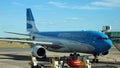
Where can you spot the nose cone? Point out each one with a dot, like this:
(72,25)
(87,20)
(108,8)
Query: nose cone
(108,44)
(102,46)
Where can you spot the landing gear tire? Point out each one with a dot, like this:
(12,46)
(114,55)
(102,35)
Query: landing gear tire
(95,60)
(75,54)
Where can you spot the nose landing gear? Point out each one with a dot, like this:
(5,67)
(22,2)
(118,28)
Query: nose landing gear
(95,60)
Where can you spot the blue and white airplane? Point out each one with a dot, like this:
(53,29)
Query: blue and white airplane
(91,42)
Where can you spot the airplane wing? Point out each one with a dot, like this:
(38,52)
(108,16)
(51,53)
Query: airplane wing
(18,33)
(42,43)
(26,41)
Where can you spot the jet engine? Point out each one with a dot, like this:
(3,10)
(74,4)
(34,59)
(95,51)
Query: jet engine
(38,51)
(105,53)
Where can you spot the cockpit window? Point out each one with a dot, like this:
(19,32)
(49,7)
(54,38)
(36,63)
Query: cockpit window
(102,38)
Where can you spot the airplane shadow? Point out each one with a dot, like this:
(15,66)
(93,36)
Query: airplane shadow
(15,57)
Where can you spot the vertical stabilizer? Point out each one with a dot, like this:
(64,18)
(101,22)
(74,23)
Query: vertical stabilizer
(30,21)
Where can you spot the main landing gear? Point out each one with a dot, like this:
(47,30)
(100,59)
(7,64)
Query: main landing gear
(95,60)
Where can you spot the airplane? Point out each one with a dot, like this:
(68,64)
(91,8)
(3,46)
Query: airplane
(91,42)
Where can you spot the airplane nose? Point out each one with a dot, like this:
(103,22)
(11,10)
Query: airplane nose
(108,43)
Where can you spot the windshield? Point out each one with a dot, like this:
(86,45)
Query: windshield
(102,38)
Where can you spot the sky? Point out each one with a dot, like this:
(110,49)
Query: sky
(59,15)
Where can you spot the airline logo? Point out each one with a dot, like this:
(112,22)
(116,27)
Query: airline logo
(29,26)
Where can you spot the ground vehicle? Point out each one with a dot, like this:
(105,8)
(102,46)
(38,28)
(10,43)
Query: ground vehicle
(72,61)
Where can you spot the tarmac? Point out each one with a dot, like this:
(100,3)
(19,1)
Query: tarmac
(20,58)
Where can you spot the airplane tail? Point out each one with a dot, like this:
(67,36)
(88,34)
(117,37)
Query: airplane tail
(31,27)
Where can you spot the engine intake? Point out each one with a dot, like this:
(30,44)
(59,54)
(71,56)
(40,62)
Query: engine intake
(105,53)
(38,51)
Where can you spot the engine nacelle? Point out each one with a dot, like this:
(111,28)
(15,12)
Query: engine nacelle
(105,53)
(38,51)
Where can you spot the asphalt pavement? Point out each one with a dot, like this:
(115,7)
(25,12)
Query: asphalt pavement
(20,58)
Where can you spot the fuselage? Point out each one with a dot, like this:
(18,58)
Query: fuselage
(92,42)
